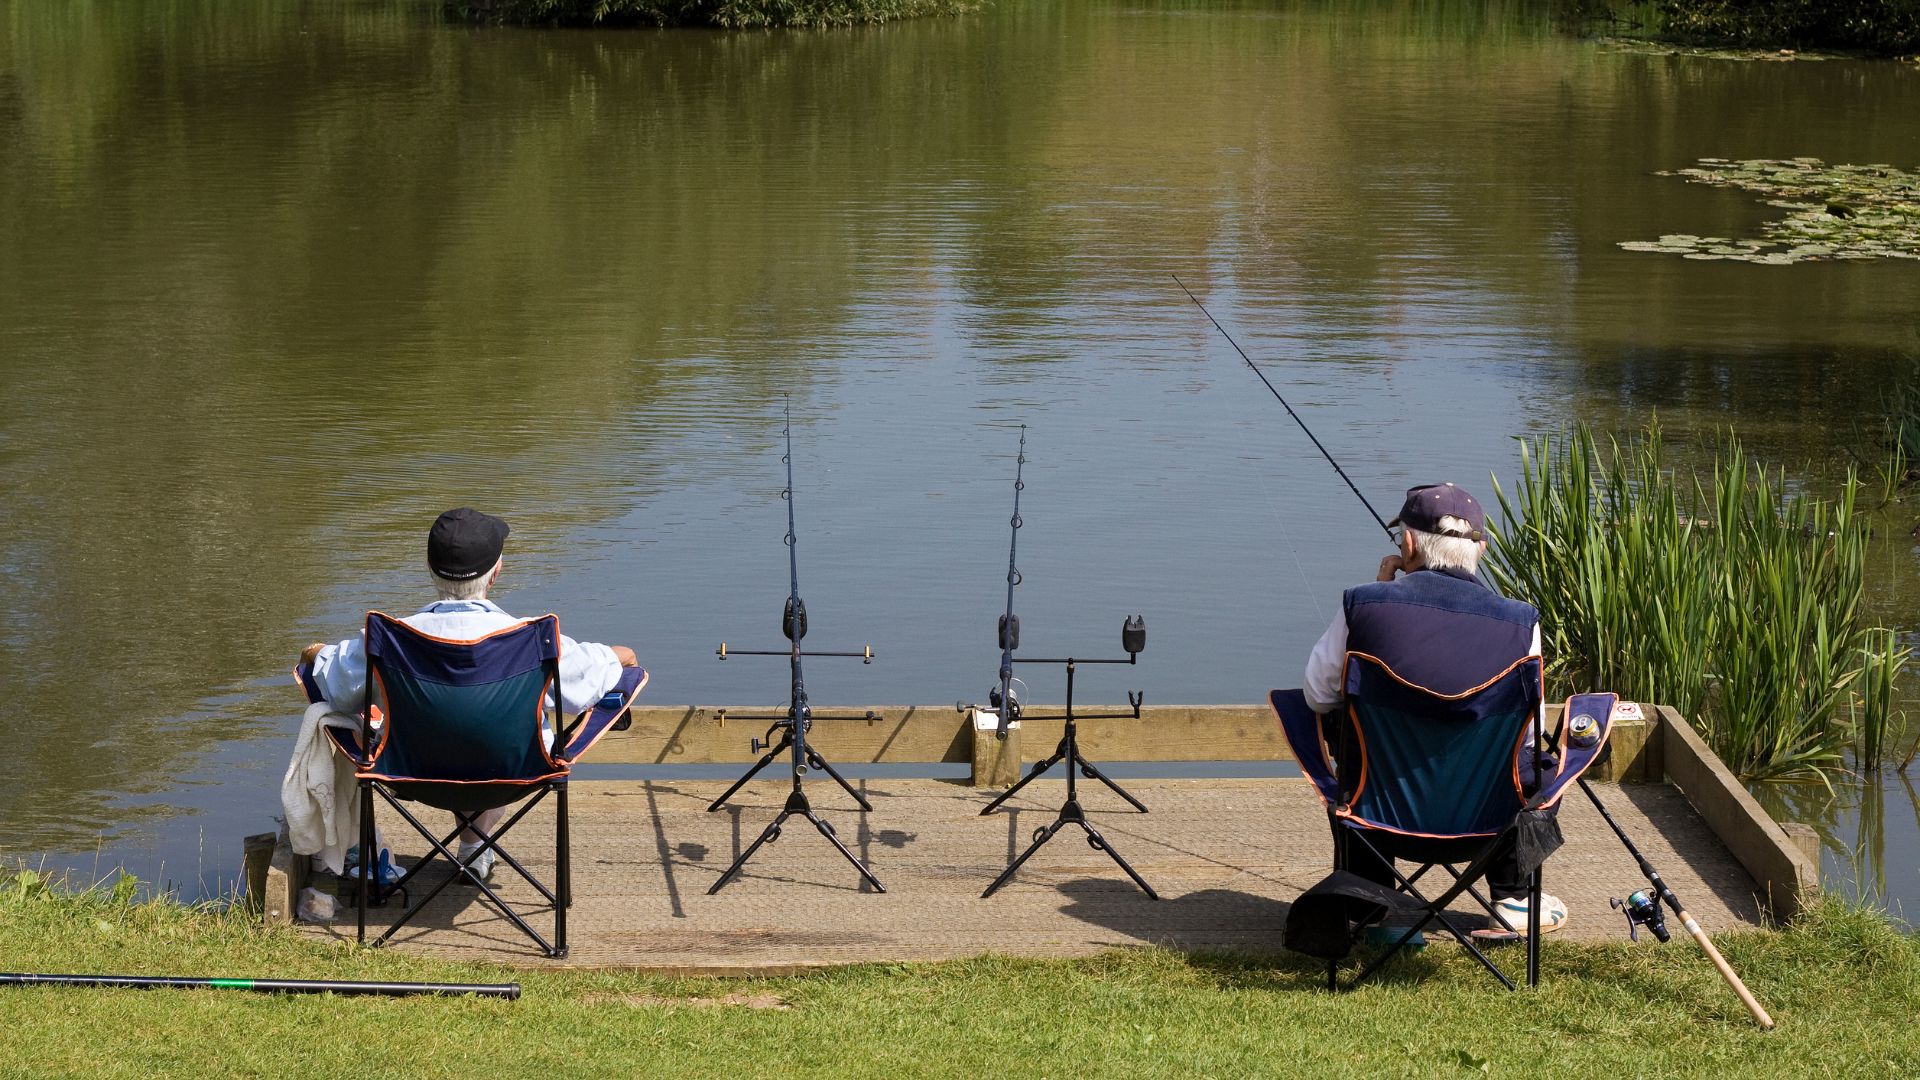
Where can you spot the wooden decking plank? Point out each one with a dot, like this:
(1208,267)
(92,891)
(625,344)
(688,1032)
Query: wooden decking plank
(1227,856)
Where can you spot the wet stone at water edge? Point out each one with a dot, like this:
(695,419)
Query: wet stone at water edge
(1839,212)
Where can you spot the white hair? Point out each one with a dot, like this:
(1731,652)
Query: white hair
(1448,552)
(472,588)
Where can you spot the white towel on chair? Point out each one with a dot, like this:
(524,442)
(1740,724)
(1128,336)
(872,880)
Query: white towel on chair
(319,794)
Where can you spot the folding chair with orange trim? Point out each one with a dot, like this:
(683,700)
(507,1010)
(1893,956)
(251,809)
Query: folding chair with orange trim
(1457,781)
(459,726)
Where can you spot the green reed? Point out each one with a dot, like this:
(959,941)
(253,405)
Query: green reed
(1724,595)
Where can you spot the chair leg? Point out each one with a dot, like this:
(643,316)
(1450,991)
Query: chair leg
(1533,928)
(486,890)
(563,870)
(365,869)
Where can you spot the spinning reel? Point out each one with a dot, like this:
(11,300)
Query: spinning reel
(1642,910)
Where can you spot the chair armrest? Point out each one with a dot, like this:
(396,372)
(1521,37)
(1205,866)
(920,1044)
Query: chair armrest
(1301,726)
(1575,760)
(577,738)
(303,675)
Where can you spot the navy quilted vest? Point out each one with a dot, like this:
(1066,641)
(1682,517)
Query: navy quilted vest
(1441,629)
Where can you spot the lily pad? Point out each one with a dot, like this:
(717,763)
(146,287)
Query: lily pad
(1652,47)
(1845,212)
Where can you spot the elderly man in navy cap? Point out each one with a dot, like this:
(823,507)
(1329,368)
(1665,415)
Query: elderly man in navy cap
(1431,619)
(463,559)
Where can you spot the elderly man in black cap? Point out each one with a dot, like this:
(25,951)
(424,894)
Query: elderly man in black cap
(1430,618)
(463,558)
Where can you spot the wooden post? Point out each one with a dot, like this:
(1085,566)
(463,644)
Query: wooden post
(286,876)
(257,854)
(1805,837)
(1635,753)
(996,761)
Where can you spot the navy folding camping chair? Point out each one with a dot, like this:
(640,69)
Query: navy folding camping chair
(1455,781)
(459,728)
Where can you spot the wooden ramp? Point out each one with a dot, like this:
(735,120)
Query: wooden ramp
(1227,857)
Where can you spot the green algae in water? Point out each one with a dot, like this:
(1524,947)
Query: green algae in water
(1837,212)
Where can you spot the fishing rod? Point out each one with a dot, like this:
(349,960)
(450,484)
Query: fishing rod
(1648,915)
(1006,702)
(1384,527)
(1133,639)
(1635,913)
(795,723)
(510,991)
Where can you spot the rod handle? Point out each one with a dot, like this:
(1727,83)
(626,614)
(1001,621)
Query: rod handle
(1726,972)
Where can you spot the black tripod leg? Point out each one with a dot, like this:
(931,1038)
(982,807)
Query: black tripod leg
(1044,835)
(768,835)
(1038,767)
(1087,770)
(1099,843)
(826,830)
(786,740)
(820,763)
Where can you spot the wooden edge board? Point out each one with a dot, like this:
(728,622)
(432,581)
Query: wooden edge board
(1769,852)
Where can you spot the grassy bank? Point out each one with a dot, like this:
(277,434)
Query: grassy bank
(1843,985)
(722,13)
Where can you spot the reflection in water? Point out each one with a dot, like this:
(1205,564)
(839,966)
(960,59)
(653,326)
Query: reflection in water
(285,280)
(1869,834)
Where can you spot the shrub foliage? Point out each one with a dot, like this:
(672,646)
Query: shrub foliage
(1879,26)
(721,13)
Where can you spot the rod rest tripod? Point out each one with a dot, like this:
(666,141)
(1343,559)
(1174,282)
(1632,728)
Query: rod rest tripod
(1133,639)
(783,723)
(797,720)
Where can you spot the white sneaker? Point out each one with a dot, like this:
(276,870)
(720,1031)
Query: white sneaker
(481,867)
(1510,914)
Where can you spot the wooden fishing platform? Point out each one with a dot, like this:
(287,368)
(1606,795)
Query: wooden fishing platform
(1226,856)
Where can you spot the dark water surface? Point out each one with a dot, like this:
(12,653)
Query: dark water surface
(279,281)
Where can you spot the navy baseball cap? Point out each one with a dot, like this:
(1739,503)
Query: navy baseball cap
(1428,503)
(465,543)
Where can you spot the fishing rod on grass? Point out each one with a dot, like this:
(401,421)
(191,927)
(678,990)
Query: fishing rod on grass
(1645,911)
(795,723)
(1639,908)
(510,991)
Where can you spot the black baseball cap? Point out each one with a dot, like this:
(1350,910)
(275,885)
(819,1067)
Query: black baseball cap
(465,543)
(1428,503)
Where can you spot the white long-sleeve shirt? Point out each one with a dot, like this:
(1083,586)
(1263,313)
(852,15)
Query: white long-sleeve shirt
(587,669)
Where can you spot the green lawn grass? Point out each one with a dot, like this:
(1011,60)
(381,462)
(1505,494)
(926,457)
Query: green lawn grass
(1843,985)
